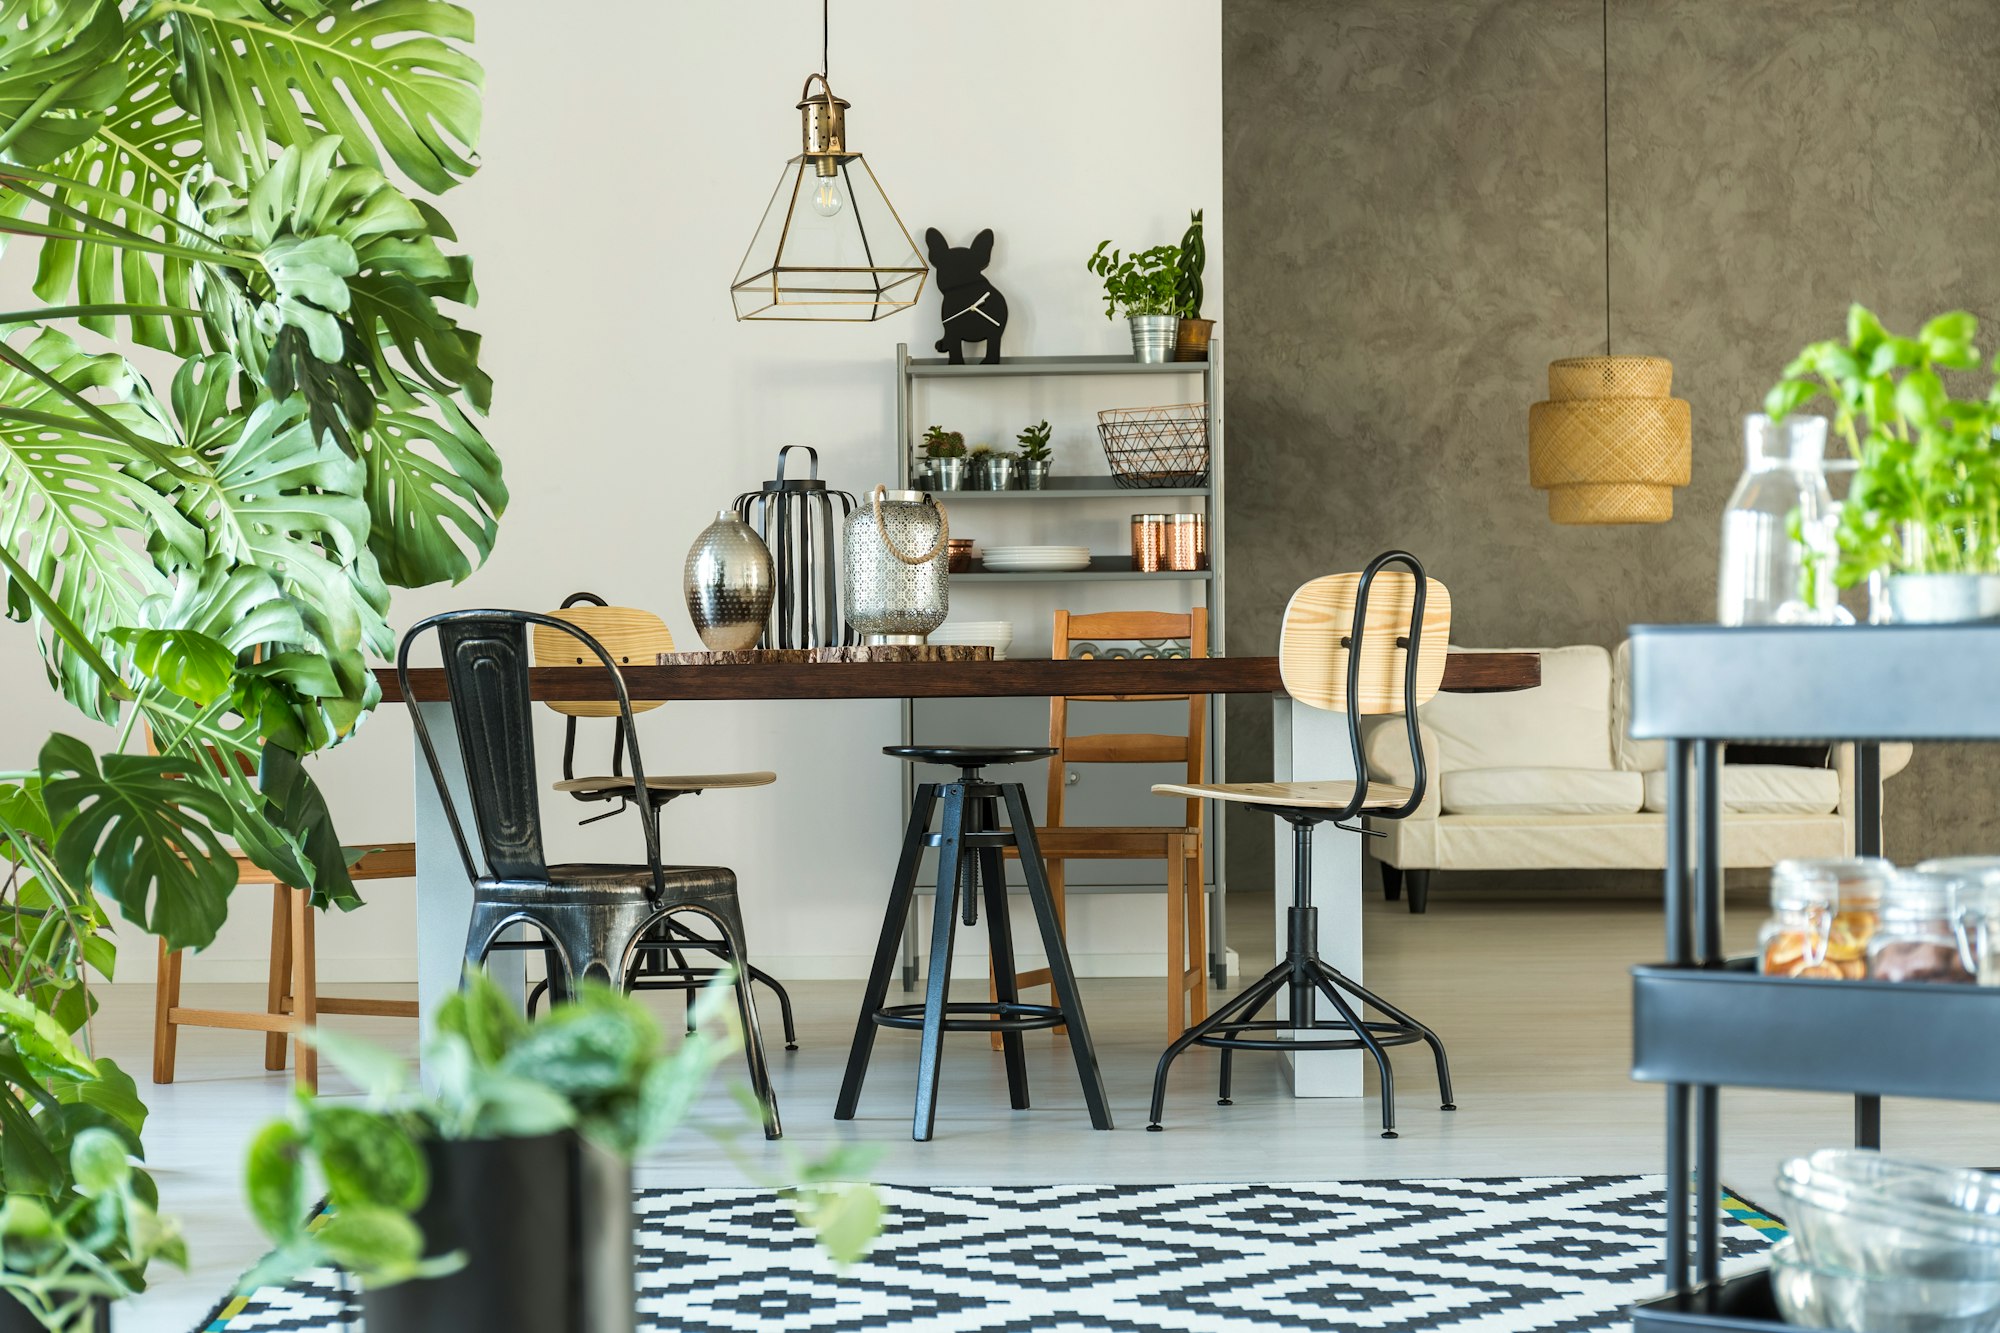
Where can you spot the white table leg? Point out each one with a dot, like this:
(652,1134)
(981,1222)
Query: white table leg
(1310,744)
(444,894)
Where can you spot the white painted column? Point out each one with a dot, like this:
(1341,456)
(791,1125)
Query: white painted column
(1307,745)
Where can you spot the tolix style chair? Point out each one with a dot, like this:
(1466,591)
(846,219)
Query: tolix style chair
(1362,644)
(592,916)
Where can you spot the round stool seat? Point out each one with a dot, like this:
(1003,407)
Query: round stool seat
(968,756)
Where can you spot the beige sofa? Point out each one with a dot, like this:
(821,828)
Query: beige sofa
(1547,779)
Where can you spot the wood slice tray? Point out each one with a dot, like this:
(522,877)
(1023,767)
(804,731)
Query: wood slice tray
(941,652)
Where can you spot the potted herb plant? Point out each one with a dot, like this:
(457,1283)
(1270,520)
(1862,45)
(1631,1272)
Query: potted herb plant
(1142,288)
(1035,456)
(503,1203)
(1923,510)
(999,470)
(944,450)
(1192,332)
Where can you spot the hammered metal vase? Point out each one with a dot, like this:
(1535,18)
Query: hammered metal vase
(896,583)
(728,582)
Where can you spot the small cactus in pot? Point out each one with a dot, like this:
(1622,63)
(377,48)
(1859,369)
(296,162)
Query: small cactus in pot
(944,454)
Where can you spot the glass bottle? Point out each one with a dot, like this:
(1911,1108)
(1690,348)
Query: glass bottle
(1769,575)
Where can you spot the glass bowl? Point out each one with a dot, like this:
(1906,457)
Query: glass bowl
(1820,1296)
(1859,1212)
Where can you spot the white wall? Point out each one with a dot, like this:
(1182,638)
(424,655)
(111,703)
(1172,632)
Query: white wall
(629,149)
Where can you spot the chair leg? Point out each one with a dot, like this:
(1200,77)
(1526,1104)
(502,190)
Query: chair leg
(1176,940)
(731,928)
(166,998)
(1420,890)
(765,979)
(278,986)
(1062,980)
(1196,899)
(1392,881)
(1000,931)
(1390,1011)
(1240,1006)
(944,927)
(305,989)
(902,892)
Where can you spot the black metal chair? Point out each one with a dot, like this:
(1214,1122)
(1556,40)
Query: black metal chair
(591,916)
(1340,652)
(970,839)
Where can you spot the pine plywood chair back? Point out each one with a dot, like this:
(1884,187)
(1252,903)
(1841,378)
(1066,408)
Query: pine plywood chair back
(632,637)
(1126,747)
(1317,660)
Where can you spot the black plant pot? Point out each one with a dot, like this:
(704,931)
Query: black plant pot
(546,1228)
(14,1316)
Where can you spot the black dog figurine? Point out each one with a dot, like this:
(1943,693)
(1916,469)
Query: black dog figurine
(974,309)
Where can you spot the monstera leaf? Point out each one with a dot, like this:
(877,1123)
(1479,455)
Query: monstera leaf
(79,505)
(139,833)
(358,66)
(58,65)
(434,491)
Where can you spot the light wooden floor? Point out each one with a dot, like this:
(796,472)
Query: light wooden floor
(1529,993)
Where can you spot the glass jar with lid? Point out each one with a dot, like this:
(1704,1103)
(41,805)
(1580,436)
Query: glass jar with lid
(1918,936)
(1975,912)
(1823,914)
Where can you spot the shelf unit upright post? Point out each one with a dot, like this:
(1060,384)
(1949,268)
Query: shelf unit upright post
(1702,1022)
(909,370)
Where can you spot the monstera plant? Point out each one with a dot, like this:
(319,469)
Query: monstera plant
(206,559)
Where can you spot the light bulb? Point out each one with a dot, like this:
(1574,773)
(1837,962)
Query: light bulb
(826,197)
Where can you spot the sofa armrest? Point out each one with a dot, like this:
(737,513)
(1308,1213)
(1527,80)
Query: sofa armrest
(1386,751)
(1896,757)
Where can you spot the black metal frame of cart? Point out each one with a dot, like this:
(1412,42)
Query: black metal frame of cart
(1701,1023)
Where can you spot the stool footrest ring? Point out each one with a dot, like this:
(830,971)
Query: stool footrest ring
(1001,1017)
(1230,1036)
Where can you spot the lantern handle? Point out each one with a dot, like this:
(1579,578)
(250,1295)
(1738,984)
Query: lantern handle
(825,87)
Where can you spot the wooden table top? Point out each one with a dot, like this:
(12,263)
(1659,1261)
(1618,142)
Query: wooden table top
(1464,673)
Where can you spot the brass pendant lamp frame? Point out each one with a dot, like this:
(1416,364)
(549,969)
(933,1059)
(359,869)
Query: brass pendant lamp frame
(858,266)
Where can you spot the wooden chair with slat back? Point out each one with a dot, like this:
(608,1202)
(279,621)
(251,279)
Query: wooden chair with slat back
(634,636)
(1361,644)
(1181,845)
(292,998)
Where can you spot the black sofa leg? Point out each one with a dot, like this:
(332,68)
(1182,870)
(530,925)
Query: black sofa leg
(1392,881)
(1420,889)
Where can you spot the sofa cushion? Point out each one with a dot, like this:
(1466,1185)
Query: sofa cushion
(1542,791)
(1760,789)
(1637,756)
(1565,722)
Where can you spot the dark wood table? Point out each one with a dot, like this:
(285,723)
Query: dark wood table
(1464,673)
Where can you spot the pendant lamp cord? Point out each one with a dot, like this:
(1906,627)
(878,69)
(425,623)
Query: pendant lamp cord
(1607,177)
(825,41)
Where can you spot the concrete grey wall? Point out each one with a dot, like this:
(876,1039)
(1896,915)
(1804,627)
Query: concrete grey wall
(1416,201)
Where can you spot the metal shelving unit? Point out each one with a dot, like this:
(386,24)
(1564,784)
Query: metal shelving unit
(910,371)
(1702,1022)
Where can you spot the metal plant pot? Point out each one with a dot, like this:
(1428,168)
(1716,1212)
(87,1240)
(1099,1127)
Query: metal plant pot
(1191,339)
(15,1318)
(999,474)
(947,474)
(1034,473)
(540,1221)
(1935,599)
(1153,337)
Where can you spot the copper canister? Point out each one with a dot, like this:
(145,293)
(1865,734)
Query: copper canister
(1186,541)
(1149,542)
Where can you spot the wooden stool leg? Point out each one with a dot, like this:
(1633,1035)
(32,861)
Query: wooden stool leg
(1177,941)
(1196,899)
(278,990)
(166,998)
(305,988)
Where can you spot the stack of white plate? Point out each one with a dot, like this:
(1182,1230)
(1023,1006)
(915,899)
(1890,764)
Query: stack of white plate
(996,633)
(1035,559)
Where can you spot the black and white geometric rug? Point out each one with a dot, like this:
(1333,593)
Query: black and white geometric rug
(1561,1254)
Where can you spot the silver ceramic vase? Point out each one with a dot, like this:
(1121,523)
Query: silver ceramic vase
(895,577)
(728,582)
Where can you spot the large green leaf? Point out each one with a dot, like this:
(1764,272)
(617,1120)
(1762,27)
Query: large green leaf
(58,67)
(143,836)
(79,505)
(435,493)
(295,804)
(383,66)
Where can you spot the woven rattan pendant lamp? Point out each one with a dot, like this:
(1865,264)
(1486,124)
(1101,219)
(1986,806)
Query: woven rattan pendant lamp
(1612,442)
(830,245)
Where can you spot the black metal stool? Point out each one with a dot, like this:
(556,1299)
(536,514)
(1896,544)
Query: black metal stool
(969,842)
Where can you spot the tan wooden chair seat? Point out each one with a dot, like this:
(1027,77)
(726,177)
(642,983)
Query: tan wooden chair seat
(686,782)
(293,1001)
(1328,795)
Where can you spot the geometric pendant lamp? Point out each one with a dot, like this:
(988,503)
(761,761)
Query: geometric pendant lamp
(830,245)
(1612,441)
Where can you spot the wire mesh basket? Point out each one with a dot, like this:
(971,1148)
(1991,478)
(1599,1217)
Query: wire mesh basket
(1156,446)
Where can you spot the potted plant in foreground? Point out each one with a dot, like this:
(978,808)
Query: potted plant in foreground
(944,452)
(1192,333)
(503,1203)
(1035,456)
(1924,506)
(1141,287)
